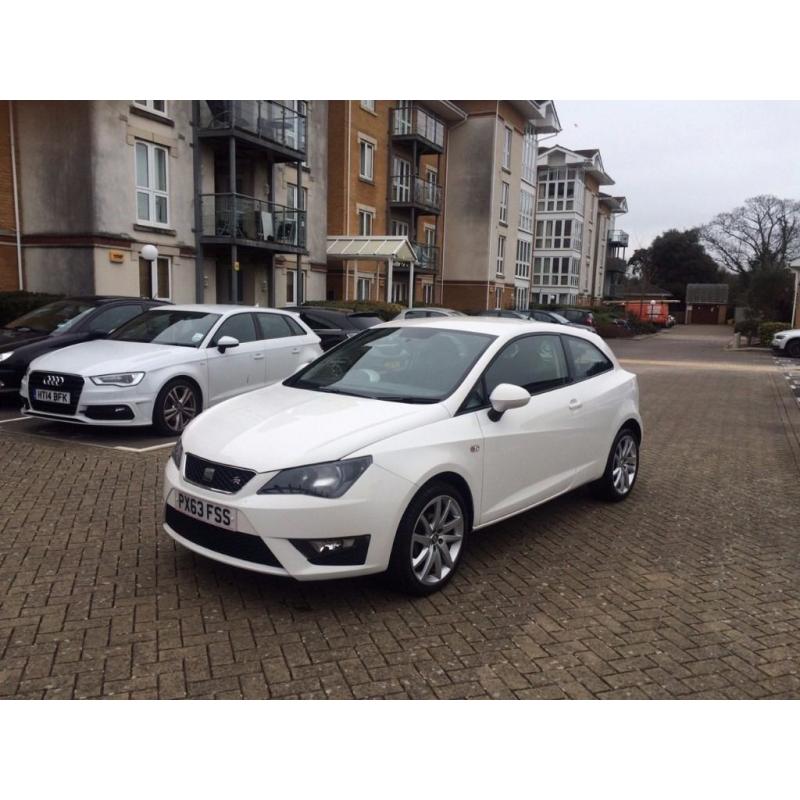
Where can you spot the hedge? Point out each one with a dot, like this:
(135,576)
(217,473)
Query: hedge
(15,304)
(766,330)
(385,311)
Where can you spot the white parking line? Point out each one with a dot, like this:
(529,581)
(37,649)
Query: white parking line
(13,419)
(144,449)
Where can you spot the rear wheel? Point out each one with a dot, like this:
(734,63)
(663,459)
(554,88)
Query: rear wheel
(177,404)
(793,348)
(430,540)
(622,467)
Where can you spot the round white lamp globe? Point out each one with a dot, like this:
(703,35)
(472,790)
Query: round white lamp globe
(149,252)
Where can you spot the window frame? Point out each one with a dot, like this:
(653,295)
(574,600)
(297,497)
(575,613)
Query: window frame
(500,260)
(151,192)
(368,105)
(505,194)
(154,277)
(368,148)
(508,138)
(365,214)
(149,105)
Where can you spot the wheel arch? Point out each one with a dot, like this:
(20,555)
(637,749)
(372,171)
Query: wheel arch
(634,425)
(458,482)
(189,379)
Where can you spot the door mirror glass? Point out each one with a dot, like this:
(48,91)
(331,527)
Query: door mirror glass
(225,342)
(507,396)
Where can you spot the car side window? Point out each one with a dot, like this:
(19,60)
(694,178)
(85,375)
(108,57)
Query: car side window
(316,322)
(416,314)
(539,317)
(294,327)
(273,326)
(240,326)
(587,360)
(111,318)
(537,363)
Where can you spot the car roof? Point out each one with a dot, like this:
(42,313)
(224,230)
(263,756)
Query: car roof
(217,308)
(495,326)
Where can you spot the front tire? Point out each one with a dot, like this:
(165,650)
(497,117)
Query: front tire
(793,348)
(622,468)
(177,404)
(430,540)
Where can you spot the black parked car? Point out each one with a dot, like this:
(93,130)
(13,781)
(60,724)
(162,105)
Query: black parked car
(558,319)
(59,324)
(335,325)
(579,316)
(506,313)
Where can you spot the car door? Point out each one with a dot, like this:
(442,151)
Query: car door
(282,347)
(595,395)
(529,454)
(239,369)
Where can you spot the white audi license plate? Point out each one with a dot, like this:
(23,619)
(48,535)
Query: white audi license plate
(51,396)
(211,513)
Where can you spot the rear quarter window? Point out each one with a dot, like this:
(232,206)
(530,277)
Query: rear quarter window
(587,360)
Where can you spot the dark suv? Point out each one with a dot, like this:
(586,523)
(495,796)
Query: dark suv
(59,324)
(335,325)
(580,316)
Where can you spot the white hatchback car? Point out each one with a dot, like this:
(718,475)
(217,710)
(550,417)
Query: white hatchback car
(387,452)
(165,366)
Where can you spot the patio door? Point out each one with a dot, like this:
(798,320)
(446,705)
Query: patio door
(401,183)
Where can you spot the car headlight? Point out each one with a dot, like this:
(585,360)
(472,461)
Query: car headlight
(777,336)
(118,379)
(4,356)
(177,453)
(331,479)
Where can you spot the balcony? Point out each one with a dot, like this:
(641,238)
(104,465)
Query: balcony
(414,124)
(242,220)
(617,239)
(408,192)
(263,123)
(427,258)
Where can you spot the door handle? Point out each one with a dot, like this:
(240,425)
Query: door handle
(258,357)
(574,404)
(296,351)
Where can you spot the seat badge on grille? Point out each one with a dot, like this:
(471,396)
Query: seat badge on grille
(208,474)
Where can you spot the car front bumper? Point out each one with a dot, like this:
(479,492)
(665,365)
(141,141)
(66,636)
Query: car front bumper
(372,507)
(100,405)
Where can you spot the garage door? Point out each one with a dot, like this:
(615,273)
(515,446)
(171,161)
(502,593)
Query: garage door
(705,315)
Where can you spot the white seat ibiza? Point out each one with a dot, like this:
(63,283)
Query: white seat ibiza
(168,364)
(389,451)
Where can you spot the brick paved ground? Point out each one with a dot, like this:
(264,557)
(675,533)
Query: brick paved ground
(690,589)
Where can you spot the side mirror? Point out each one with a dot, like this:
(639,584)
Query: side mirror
(225,342)
(506,396)
(98,334)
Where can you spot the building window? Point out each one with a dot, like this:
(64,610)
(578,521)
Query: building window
(529,155)
(498,297)
(152,197)
(399,228)
(555,271)
(291,197)
(363,289)
(504,191)
(560,190)
(155,278)
(291,287)
(401,180)
(155,106)
(526,211)
(427,294)
(365,222)
(521,298)
(522,268)
(558,234)
(368,105)
(507,148)
(366,168)
(399,293)
(501,255)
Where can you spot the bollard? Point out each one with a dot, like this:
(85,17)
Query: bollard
(737,340)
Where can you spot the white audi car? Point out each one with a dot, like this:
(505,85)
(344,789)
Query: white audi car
(165,366)
(390,450)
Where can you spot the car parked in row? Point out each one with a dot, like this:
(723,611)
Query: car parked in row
(387,452)
(165,366)
(579,316)
(535,314)
(426,312)
(335,325)
(60,324)
(787,343)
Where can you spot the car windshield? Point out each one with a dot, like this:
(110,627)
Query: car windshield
(362,322)
(51,317)
(168,326)
(407,365)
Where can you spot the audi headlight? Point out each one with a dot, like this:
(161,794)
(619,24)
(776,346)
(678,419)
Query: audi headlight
(118,379)
(777,336)
(4,356)
(331,479)
(177,453)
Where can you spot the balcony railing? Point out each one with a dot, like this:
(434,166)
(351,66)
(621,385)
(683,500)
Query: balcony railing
(237,216)
(427,255)
(415,121)
(618,238)
(269,120)
(416,192)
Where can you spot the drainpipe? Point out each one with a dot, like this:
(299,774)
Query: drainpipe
(199,264)
(16,194)
(347,205)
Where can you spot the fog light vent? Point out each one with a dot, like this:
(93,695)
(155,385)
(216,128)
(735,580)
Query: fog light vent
(344,551)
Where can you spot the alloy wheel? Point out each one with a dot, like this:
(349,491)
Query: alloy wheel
(180,408)
(437,539)
(625,464)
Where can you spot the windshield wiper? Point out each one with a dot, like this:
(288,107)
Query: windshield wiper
(409,399)
(26,329)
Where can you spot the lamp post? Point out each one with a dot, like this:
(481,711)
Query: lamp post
(150,254)
(795,267)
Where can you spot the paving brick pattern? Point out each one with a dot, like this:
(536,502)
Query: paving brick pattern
(689,589)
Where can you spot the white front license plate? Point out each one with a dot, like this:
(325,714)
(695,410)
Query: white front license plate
(51,396)
(211,513)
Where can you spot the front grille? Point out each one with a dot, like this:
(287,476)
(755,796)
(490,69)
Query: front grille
(211,475)
(245,546)
(67,383)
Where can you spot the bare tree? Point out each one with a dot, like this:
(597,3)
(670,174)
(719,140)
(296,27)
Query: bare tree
(763,234)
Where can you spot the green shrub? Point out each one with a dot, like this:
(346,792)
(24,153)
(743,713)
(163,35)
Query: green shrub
(766,330)
(747,327)
(385,311)
(15,304)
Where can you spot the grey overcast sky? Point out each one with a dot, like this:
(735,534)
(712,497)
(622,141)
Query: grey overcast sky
(680,163)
